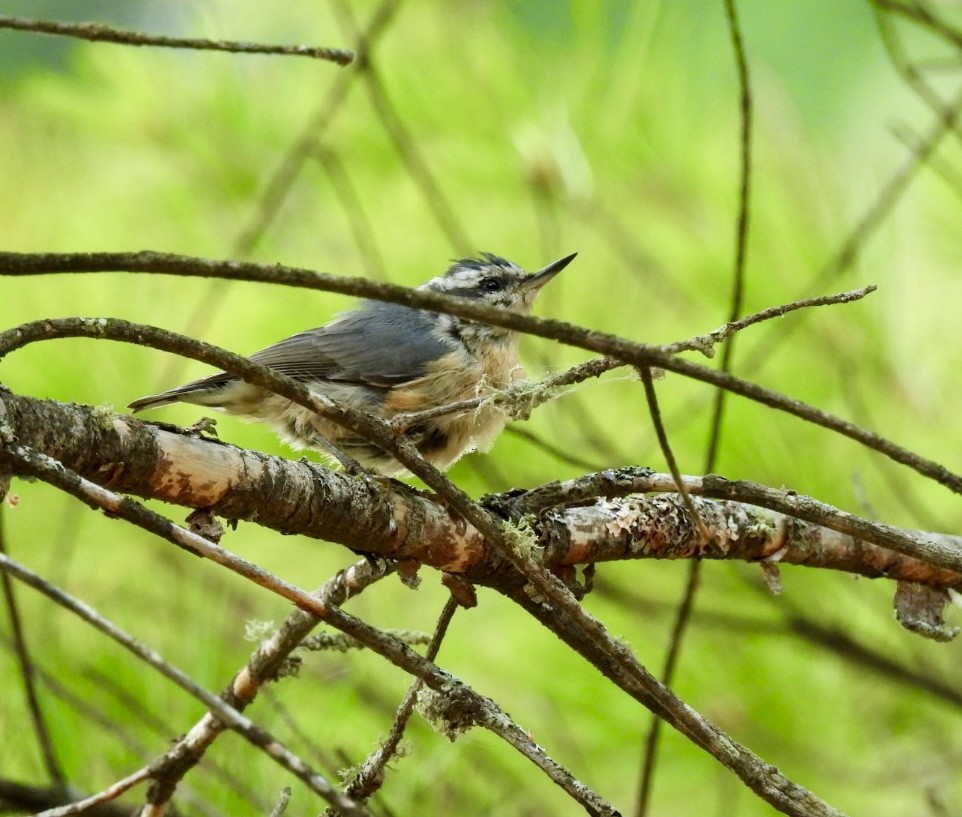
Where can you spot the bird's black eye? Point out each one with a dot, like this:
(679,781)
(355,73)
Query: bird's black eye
(491,285)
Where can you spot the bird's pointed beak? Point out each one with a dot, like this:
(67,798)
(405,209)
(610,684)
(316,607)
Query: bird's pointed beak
(538,279)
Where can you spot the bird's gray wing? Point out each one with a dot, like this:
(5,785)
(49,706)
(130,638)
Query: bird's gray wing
(379,344)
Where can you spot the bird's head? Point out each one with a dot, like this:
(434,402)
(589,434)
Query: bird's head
(496,281)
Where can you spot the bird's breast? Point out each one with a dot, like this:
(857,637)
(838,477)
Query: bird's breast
(458,376)
(452,378)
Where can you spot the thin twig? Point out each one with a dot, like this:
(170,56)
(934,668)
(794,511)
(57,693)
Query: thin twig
(637,354)
(118,728)
(104,33)
(282,179)
(21,797)
(457,700)
(28,673)
(922,14)
(369,777)
(407,146)
(741,230)
(358,221)
(282,801)
(706,343)
(528,395)
(134,709)
(463,707)
(668,454)
(112,792)
(680,627)
(531,395)
(254,734)
(262,666)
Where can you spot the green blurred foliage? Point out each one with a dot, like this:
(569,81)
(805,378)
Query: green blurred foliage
(609,128)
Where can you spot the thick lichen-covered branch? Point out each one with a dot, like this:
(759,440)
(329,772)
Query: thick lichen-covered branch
(628,514)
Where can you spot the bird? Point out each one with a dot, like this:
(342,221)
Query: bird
(388,359)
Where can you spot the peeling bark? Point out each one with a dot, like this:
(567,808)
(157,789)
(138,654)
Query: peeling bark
(583,522)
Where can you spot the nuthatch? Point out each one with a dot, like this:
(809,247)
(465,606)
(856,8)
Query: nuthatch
(388,359)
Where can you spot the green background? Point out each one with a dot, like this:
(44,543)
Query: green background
(606,128)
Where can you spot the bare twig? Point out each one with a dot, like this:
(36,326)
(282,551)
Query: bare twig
(360,224)
(680,627)
(922,14)
(28,671)
(282,179)
(529,396)
(264,665)
(706,343)
(112,792)
(104,33)
(407,147)
(526,395)
(457,701)
(637,354)
(162,725)
(741,230)
(118,728)
(254,734)
(369,777)
(649,756)
(282,801)
(458,708)
(668,454)
(20,797)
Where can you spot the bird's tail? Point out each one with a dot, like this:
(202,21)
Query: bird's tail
(190,393)
(151,401)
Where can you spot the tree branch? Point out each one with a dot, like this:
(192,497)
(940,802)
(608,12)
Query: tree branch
(104,33)
(592,519)
(455,708)
(220,709)
(637,354)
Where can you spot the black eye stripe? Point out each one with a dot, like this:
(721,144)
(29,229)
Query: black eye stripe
(491,285)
